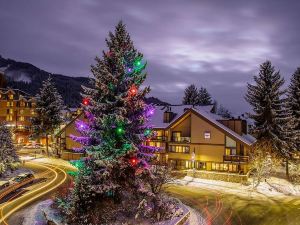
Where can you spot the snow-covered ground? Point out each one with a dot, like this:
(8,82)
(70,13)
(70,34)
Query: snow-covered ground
(52,161)
(274,187)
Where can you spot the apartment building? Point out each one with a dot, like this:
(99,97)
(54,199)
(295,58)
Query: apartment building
(194,137)
(16,110)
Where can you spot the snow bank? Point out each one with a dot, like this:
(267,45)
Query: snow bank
(273,187)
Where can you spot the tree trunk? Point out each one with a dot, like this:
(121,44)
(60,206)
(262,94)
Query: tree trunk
(287,168)
(47,149)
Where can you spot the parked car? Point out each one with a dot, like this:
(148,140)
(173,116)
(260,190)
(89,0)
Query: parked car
(21,177)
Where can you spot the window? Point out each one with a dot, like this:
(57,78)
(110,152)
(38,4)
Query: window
(223,167)
(154,144)
(32,112)
(176,136)
(207,134)
(21,111)
(230,142)
(10,104)
(9,118)
(200,165)
(21,118)
(179,148)
(11,96)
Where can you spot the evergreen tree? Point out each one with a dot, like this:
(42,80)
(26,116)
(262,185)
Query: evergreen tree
(112,176)
(269,115)
(293,107)
(191,96)
(8,156)
(48,111)
(222,111)
(204,98)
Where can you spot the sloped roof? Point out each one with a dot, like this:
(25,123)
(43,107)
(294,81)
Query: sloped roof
(204,111)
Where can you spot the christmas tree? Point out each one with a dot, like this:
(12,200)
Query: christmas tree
(269,114)
(8,156)
(204,98)
(112,174)
(48,111)
(293,105)
(191,96)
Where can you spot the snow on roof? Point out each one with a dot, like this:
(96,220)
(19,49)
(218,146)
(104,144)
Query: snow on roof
(157,119)
(205,111)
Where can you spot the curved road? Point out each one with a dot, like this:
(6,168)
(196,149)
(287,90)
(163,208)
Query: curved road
(219,208)
(56,176)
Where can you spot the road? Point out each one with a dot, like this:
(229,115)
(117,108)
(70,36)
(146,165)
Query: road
(227,209)
(55,175)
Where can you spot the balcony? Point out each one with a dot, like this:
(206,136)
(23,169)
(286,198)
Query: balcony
(236,158)
(159,138)
(181,139)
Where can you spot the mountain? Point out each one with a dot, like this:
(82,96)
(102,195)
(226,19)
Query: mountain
(29,78)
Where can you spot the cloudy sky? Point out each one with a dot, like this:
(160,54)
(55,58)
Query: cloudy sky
(215,44)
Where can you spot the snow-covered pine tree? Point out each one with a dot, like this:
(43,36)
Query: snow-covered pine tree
(8,156)
(204,98)
(48,111)
(111,177)
(191,96)
(268,106)
(293,107)
(224,112)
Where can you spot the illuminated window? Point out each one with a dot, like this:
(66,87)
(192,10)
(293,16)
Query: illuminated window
(9,104)
(179,148)
(21,118)
(32,112)
(9,118)
(21,111)
(22,104)
(11,96)
(207,134)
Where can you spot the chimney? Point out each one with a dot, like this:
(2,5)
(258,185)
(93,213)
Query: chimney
(168,115)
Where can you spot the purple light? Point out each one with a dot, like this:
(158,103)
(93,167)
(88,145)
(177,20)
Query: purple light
(129,70)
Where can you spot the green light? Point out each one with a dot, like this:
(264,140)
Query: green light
(147,132)
(120,130)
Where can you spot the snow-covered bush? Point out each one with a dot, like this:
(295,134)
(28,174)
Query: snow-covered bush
(8,156)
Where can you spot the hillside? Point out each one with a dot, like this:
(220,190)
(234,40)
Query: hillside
(29,78)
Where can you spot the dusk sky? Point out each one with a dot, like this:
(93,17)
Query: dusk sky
(215,44)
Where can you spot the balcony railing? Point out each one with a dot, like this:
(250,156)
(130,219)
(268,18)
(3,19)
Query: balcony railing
(181,139)
(159,138)
(236,158)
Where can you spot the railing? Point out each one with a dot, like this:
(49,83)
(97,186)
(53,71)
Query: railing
(159,138)
(236,158)
(181,139)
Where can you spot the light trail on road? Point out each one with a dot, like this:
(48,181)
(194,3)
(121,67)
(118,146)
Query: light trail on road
(33,195)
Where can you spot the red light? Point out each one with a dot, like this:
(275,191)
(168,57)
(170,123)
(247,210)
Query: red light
(133,161)
(133,90)
(85,101)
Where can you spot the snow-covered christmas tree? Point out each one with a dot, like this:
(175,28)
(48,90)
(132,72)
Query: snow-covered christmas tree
(112,176)
(48,111)
(293,105)
(8,156)
(269,113)
(191,95)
